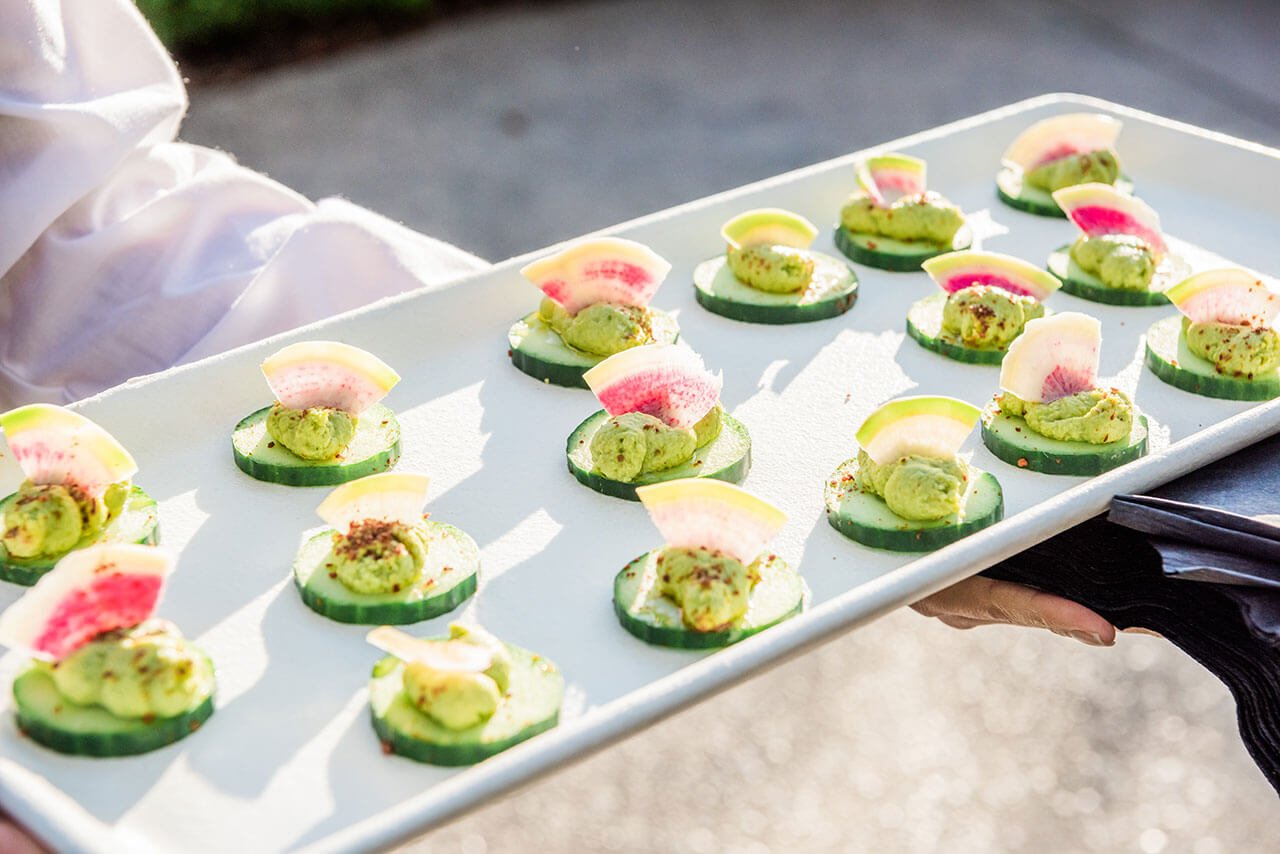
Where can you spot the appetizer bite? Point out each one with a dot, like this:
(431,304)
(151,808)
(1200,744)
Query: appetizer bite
(1051,415)
(326,425)
(662,420)
(1224,342)
(596,304)
(986,300)
(106,679)
(383,561)
(909,490)
(713,583)
(770,275)
(893,222)
(461,699)
(1121,258)
(78,491)
(1062,151)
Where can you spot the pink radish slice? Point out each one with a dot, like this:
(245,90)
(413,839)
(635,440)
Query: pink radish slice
(1100,209)
(928,426)
(667,381)
(888,177)
(328,374)
(711,514)
(1053,357)
(1229,295)
(54,445)
(605,269)
(388,496)
(90,591)
(1061,136)
(954,271)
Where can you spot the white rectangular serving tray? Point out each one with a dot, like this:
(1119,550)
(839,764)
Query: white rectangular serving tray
(289,760)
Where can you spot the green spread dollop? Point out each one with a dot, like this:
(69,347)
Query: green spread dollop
(318,433)
(1120,261)
(1097,416)
(711,588)
(49,519)
(1101,166)
(987,316)
(916,487)
(376,556)
(1235,350)
(774,269)
(924,216)
(147,670)
(629,445)
(460,700)
(601,329)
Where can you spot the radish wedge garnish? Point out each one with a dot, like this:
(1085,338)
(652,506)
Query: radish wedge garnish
(1053,357)
(1062,136)
(53,445)
(446,656)
(329,374)
(604,269)
(704,513)
(955,271)
(91,591)
(667,381)
(388,496)
(1100,209)
(888,177)
(925,426)
(1229,295)
(769,227)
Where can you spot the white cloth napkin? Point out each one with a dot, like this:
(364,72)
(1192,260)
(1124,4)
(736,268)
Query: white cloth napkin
(123,252)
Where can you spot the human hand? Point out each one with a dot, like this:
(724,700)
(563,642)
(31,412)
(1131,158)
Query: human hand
(981,601)
(15,840)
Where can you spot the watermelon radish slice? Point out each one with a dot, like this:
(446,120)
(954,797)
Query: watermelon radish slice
(769,227)
(712,514)
(606,269)
(1062,136)
(955,271)
(53,445)
(329,374)
(925,426)
(1053,357)
(667,381)
(1229,295)
(888,177)
(90,591)
(1099,209)
(451,656)
(388,496)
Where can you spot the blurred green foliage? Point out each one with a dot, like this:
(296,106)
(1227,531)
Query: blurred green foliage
(187,24)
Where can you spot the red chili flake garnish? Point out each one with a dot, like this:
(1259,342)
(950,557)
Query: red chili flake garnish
(271,444)
(1022,462)
(871,244)
(395,588)
(193,726)
(148,718)
(333,575)
(509,353)
(386,748)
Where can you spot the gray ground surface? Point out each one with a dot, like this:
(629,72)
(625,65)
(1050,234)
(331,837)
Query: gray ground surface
(507,131)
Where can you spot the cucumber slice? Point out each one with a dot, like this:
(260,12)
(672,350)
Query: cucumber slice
(1078,282)
(374,448)
(1011,190)
(655,619)
(1010,439)
(54,721)
(1171,360)
(832,292)
(139,522)
(448,580)
(539,351)
(924,323)
(902,256)
(530,706)
(865,518)
(726,457)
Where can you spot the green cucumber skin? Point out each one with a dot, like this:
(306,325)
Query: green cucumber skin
(572,364)
(300,472)
(1033,200)
(1085,460)
(450,755)
(375,610)
(1029,205)
(1167,354)
(734,472)
(681,637)
(113,737)
(920,315)
(1062,266)
(771,312)
(143,516)
(906,535)
(894,261)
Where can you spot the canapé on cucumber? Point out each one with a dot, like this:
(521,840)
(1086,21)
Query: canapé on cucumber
(832,292)
(1012,440)
(374,448)
(1079,282)
(1171,360)
(901,256)
(539,351)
